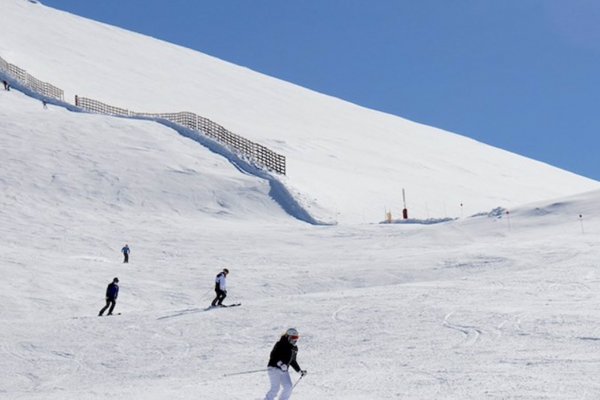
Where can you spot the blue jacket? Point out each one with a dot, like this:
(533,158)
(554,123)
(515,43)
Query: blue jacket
(112,291)
(125,250)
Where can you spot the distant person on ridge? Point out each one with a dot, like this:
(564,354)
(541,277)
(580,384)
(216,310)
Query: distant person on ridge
(220,288)
(125,250)
(112,292)
(283,356)
(6,85)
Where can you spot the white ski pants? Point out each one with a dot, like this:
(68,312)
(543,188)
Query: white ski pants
(279,378)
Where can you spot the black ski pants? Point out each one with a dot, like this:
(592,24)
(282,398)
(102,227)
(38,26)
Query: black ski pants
(109,303)
(221,294)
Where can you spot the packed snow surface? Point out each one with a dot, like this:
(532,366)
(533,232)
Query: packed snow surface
(496,300)
(499,305)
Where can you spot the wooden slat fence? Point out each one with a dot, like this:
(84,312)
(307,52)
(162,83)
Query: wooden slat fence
(31,82)
(257,153)
(99,107)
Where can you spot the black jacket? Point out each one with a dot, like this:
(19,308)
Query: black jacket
(112,291)
(285,352)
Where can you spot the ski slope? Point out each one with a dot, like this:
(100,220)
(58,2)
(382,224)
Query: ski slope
(501,303)
(345,162)
(494,306)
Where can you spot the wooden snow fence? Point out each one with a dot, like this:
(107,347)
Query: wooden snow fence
(31,82)
(258,154)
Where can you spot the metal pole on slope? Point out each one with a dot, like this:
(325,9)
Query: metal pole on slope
(404,210)
(581,221)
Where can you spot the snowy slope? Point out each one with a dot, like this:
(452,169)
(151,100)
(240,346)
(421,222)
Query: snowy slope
(62,157)
(349,162)
(490,307)
(495,306)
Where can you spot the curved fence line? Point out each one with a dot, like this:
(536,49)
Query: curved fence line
(259,154)
(31,82)
(256,153)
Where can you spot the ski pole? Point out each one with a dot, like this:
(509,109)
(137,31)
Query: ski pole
(246,372)
(301,376)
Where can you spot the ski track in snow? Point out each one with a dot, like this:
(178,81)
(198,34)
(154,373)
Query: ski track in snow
(471,333)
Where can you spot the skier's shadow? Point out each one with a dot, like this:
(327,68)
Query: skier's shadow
(182,312)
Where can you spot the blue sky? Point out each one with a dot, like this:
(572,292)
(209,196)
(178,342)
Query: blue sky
(522,75)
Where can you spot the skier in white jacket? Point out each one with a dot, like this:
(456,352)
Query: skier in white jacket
(220,288)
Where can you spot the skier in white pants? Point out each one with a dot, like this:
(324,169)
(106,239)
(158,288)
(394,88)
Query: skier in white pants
(282,357)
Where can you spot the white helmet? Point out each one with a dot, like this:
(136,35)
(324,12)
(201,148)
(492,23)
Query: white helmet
(291,332)
(292,335)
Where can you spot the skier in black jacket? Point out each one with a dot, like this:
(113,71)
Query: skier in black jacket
(282,357)
(112,292)
(220,288)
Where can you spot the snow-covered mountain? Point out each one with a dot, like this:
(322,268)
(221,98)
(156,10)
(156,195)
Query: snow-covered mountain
(501,305)
(345,162)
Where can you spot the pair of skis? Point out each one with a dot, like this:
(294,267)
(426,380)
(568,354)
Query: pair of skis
(224,306)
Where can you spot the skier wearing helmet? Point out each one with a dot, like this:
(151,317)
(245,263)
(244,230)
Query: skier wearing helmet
(282,357)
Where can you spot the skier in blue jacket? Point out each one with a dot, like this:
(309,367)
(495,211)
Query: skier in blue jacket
(125,251)
(112,292)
